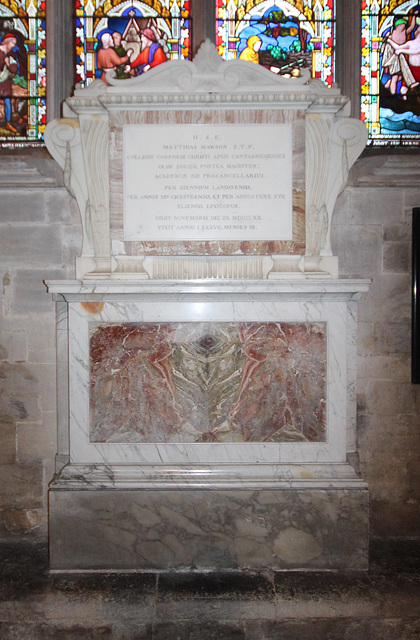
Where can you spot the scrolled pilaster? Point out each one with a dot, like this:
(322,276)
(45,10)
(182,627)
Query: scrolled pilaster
(63,140)
(333,144)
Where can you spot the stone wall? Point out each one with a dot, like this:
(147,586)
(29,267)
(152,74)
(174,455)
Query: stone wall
(39,239)
(372,235)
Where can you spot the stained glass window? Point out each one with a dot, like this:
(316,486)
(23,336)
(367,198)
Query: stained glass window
(129,37)
(282,35)
(22,72)
(390,84)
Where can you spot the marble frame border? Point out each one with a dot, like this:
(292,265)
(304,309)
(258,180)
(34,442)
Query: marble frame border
(333,312)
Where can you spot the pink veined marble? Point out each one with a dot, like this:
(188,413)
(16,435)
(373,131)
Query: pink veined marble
(208,382)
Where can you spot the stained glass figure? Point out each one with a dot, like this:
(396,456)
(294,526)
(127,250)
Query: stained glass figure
(129,37)
(22,72)
(282,35)
(390,81)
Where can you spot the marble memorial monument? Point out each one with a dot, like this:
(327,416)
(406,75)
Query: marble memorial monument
(206,347)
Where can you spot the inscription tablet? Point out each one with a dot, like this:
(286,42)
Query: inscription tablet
(207,182)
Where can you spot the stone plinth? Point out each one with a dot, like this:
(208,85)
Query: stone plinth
(301,525)
(196,439)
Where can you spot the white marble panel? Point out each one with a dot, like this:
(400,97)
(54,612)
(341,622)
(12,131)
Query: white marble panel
(62,339)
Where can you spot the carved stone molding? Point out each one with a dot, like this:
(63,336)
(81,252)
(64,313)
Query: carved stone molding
(388,171)
(198,267)
(29,172)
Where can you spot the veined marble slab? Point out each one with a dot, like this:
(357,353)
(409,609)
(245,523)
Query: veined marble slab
(208,382)
(164,530)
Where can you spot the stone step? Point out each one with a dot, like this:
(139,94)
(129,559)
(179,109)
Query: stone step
(381,604)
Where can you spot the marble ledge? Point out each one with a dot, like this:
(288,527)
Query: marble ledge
(214,477)
(74,290)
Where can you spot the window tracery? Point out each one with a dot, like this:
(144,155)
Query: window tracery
(22,72)
(129,37)
(390,79)
(292,34)
(287,35)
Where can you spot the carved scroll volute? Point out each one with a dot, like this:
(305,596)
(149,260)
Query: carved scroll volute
(63,141)
(81,147)
(332,147)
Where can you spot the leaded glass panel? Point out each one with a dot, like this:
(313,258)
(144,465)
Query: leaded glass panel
(282,35)
(129,37)
(390,81)
(22,72)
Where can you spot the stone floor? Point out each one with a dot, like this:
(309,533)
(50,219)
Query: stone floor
(383,604)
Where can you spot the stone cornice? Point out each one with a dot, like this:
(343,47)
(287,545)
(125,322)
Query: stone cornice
(348,289)
(296,100)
